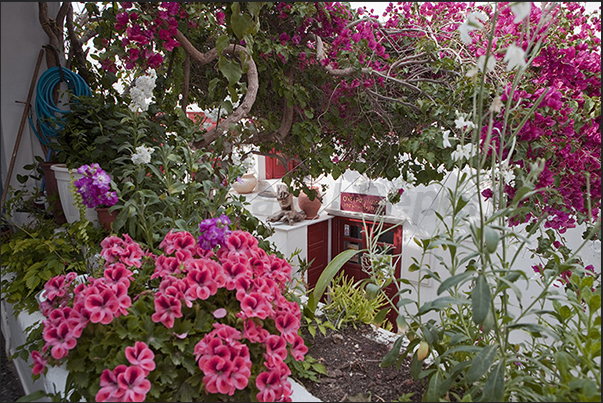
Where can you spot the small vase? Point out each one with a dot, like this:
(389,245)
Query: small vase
(310,207)
(245,184)
(63,177)
(106,218)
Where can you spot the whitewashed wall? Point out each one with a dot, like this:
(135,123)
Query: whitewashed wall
(22,40)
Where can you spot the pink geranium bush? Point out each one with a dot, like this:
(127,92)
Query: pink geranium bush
(189,324)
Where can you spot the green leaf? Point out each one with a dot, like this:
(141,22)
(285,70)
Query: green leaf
(222,43)
(441,303)
(454,280)
(481,363)
(231,70)
(241,24)
(491,238)
(254,7)
(522,193)
(32,397)
(380,317)
(433,388)
(372,290)
(328,273)
(392,355)
(481,299)
(415,367)
(494,388)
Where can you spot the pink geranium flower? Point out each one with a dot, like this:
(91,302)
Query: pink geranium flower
(255,304)
(141,356)
(217,372)
(101,303)
(55,287)
(133,385)
(298,348)
(60,339)
(269,385)
(166,310)
(39,362)
(288,325)
(276,349)
(116,273)
(109,391)
(201,282)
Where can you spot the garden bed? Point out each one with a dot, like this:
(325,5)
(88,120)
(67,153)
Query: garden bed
(351,357)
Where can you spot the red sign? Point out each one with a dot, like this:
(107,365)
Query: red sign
(362,203)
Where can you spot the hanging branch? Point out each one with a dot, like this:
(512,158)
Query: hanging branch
(252,85)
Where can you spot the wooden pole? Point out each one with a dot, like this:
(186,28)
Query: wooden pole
(20,132)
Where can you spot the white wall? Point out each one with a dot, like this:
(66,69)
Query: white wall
(22,40)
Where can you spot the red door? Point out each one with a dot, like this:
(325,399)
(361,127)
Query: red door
(275,168)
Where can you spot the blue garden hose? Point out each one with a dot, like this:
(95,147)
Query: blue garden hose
(50,119)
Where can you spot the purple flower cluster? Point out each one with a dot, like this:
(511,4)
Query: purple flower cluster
(214,231)
(95,186)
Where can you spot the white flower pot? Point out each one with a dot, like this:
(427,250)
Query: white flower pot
(245,184)
(72,214)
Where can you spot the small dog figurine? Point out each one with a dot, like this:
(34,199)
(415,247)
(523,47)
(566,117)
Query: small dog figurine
(287,214)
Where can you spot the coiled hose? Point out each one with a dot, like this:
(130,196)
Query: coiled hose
(50,117)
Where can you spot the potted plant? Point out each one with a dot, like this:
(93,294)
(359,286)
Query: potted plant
(95,189)
(204,319)
(310,199)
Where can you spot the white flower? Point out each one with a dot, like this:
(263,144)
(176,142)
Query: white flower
(460,122)
(515,56)
(461,152)
(508,176)
(142,91)
(247,161)
(142,155)
(497,104)
(491,63)
(521,11)
(445,141)
(471,24)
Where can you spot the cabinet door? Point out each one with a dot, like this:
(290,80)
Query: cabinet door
(350,233)
(318,252)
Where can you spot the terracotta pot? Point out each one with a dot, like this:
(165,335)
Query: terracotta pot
(106,218)
(245,184)
(52,193)
(310,207)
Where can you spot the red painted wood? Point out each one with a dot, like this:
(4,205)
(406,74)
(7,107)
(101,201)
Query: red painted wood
(275,169)
(318,238)
(355,270)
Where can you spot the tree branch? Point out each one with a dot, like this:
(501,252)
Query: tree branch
(248,99)
(76,45)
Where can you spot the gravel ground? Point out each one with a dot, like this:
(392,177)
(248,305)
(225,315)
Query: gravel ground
(11,388)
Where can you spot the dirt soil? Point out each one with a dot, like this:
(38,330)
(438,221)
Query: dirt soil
(351,359)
